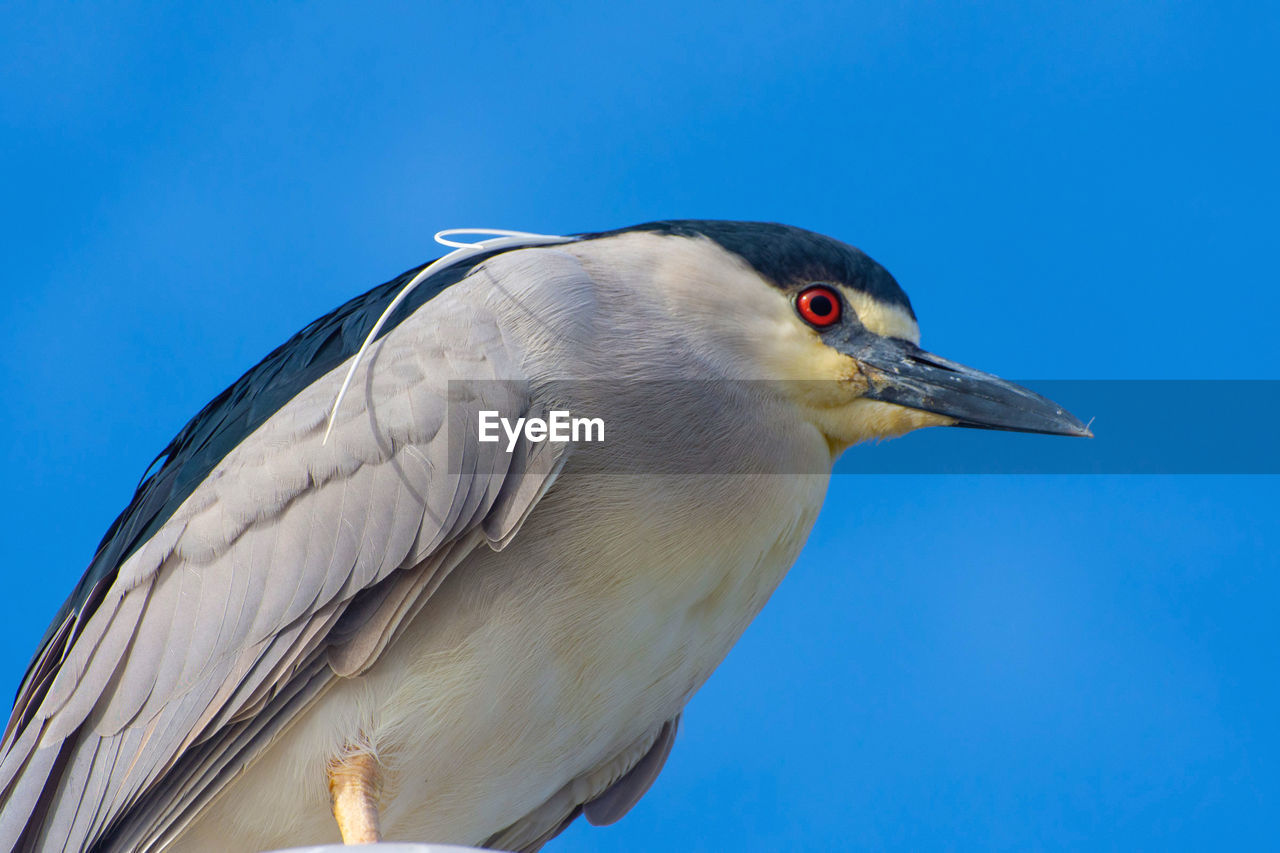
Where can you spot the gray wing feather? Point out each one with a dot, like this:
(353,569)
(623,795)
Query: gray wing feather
(604,794)
(207,768)
(371,621)
(66,715)
(279,569)
(622,795)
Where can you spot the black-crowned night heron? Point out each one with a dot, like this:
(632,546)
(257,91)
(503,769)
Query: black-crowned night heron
(365,612)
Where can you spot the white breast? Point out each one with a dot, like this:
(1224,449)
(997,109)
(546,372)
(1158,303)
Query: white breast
(533,665)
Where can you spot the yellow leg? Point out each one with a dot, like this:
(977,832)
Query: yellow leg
(353,790)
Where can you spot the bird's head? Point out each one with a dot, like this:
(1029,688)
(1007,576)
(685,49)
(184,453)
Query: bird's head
(774,302)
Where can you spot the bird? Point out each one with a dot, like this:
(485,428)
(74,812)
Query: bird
(337,609)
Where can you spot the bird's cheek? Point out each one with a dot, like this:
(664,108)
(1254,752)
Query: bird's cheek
(819,379)
(863,420)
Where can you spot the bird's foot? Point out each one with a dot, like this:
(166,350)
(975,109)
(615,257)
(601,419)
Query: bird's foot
(354,780)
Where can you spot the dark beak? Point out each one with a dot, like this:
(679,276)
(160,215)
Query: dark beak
(900,372)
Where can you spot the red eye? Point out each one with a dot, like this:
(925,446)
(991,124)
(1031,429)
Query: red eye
(819,306)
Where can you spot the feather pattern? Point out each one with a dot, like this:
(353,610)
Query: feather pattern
(214,645)
(604,795)
(289,559)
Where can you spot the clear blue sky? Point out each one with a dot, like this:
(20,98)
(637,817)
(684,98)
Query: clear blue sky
(1067,191)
